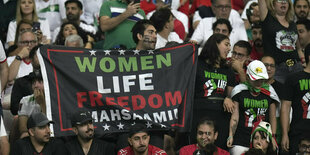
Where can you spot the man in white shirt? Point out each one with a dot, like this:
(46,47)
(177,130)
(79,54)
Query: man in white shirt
(221,9)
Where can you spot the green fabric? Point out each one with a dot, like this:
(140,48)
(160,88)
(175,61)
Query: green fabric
(50,8)
(256,90)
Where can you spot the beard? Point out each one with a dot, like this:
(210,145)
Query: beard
(258,43)
(88,135)
(72,17)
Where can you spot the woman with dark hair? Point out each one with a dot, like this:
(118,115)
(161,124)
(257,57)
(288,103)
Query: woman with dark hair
(70,28)
(214,82)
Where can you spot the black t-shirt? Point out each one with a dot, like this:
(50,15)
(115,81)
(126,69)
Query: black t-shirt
(251,109)
(279,88)
(297,88)
(25,147)
(211,84)
(97,147)
(278,40)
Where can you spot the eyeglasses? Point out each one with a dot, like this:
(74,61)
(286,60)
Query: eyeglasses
(237,55)
(270,65)
(304,146)
(222,7)
(28,42)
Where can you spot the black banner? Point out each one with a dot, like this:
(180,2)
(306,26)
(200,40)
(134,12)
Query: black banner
(119,87)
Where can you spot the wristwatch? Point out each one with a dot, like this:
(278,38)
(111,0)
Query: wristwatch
(18,58)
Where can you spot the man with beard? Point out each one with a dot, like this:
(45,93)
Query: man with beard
(74,9)
(116,20)
(84,142)
(257,42)
(303,29)
(39,141)
(138,140)
(144,35)
(206,136)
(301,8)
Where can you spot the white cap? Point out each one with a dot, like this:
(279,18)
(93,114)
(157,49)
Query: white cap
(257,70)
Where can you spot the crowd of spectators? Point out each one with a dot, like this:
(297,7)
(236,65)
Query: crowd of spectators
(259,103)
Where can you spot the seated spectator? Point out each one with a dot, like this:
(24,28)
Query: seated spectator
(304,146)
(163,22)
(74,40)
(261,138)
(138,140)
(206,136)
(4,143)
(253,151)
(33,103)
(70,28)
(222,26)
(26,9)
(257,42)
(39,140)
(245,114)
(74,10)
(84,141)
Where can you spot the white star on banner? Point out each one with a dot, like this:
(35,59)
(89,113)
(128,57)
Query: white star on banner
(121,52)
(107,52)
(92,52)
(148,125)
(162,126)
(133,123)
(136,52)
(151,52)
(120,126)
(106,127)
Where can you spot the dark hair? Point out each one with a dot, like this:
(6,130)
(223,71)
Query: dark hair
(305,138)
(77,2)
(35,76)
(244,44)
(139,28)
(307,53)
(222,21)
(305,22)
(257,25)
(214,1)
(160,18)
(60,40)
(210,51)
(208,121)
(295,2)
(270,150)
(253,151)
(249,11)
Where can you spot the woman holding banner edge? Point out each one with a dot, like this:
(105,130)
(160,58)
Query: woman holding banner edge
(214,83)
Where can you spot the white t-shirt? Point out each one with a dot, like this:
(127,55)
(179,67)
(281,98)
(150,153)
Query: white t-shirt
(52,10)
(24,68)
(44,26)
(2,128)
(161,42)
(28,106)
(243,15)
(91,9)
(2,60)
(178,15)
(204,29)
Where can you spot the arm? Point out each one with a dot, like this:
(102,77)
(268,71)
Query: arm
(228,104)
(107,23)
(285,113)
(233,124)
(263,10)
(272,118)
(4,145)
(238,66)
(14,66)
(4,69)
(22,122)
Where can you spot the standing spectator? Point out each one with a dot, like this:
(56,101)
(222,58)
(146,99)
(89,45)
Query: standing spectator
(301,8)
(53,11)
(91,11)
(163,20)
(257,42)
(254,101)
(84,142)
(116,20)
(138,140)
(206,136)
(39,140)
(214,82)
(303,28)
(280,36)
(296,96)
(8,13)
(26,9)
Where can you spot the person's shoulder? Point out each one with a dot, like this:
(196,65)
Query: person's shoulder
(188,149)
(222,152)
(156,151)
(125,151)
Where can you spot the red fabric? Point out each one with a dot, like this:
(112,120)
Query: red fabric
(179,28)
(255,55)
(190,149)
(198,3)
(184,8)
(147,7)
(3,61)
(237,4)
(152,150)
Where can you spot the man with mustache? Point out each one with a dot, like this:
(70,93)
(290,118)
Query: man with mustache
(84,142)
(301,8)
(39,141)
(206,136)
(138,140)
(257,42)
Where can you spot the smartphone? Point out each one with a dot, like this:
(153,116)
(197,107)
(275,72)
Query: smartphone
(35,26)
